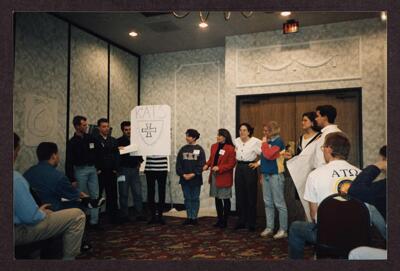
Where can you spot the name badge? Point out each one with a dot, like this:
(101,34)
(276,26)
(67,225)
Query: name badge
(91,145)
(121,178)
(221,152)
(196,152)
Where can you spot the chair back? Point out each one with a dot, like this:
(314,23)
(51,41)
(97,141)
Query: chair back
(343,224)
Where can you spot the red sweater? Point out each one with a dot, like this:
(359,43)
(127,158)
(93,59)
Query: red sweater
(226,164)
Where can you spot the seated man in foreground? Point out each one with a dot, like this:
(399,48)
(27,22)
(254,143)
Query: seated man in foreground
(373,192)
(51,185)
(33,223)
(321,183)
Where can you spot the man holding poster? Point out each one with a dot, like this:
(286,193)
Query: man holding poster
(312,156)
(152,135)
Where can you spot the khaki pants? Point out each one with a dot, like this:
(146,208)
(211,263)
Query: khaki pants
(69,223)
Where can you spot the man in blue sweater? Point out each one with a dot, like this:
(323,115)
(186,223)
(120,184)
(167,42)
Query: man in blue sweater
(51,185)
(33,223)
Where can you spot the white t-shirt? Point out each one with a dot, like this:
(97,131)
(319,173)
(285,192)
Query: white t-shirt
(319,155)
(247,151)
(328,180)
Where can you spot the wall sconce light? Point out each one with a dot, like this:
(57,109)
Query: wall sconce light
(383,16)
(291,26)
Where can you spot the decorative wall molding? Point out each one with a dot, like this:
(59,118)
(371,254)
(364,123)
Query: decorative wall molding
(297,63)
(178,69)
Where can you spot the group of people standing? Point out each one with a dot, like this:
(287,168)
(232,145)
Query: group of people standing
(94,164)
(246,153)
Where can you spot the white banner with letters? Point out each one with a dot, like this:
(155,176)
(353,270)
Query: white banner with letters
(151,130)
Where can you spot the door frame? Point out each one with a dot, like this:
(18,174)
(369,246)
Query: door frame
(358,91)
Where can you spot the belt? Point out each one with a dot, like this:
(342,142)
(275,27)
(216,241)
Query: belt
(245,162)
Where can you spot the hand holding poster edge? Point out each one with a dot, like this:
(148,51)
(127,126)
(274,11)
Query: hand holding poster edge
(128,149)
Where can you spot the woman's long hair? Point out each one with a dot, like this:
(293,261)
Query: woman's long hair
(225,133)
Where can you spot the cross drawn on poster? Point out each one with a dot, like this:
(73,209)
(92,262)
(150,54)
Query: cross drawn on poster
(151,130)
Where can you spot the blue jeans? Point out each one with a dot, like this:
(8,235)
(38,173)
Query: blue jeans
(377,219)
(132,181)
(273,194)
(89,184)
(301,232)
(191,193)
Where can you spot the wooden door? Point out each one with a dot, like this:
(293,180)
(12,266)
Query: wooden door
(287,110)
(258,112)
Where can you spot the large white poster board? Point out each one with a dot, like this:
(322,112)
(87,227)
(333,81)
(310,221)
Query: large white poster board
(151,130)
(299,167)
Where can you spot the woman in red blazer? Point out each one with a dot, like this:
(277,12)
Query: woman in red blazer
(221,164)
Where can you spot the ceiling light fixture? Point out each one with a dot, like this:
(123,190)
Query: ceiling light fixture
(285,13)
(203,25)
(203,18)
(133,34)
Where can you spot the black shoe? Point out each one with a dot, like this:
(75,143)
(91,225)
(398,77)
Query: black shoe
(153,220)
(161,220)
(223,224)
(123,220)
(141,218)
(194,222)
(239,226)
(96,227)
(218,224)
(85,247)
(251,228)
(187,221)
(114,219)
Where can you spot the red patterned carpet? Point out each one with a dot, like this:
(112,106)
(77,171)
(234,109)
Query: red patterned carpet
(173,241)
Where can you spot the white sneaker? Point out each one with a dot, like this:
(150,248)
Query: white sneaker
(280,234)
(267,232)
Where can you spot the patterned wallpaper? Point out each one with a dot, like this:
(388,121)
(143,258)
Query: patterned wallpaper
(354,53)
(192,83)
(40,86)
(341,55)
(89,59)
(123,87)
(40,93)
(199,85)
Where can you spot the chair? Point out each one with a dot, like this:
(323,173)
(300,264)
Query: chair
(343,224)
(44,249)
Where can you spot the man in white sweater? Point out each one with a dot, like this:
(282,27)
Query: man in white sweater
(326,115)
